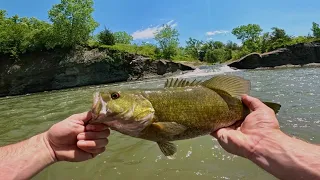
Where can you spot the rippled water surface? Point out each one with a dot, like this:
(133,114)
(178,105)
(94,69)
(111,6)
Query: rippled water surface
(298,90)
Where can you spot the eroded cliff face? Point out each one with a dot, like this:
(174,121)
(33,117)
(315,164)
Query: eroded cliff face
(60,69)
(295,55)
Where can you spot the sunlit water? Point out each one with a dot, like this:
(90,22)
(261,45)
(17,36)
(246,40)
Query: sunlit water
(201,158)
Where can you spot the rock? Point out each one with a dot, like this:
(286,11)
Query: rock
(312,65)
(60,69)
(295,55)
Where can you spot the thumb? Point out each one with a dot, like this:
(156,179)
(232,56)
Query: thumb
(84,117)
(252,103)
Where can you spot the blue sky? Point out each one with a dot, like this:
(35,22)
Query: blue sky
(200,19)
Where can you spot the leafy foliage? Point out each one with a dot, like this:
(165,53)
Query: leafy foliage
(168,41)
(193,48)
(72,22)
(218,55)
(145,49)
(315,30)
(106,37)
(249,35)
(122,37)
(19,35)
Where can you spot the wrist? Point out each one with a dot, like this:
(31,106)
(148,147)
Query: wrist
(48,150)
(286,157)
(265,142)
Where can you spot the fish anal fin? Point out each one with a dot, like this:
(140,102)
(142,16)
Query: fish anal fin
(169,128)
(233,85)
(168,149)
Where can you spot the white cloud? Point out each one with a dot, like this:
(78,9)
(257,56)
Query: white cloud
(149,32)
(172,23)
(212,33)
(145,33)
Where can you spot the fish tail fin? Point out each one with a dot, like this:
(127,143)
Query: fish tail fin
(274,106)
(168,149)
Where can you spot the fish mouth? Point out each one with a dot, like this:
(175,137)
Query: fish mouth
(99,109)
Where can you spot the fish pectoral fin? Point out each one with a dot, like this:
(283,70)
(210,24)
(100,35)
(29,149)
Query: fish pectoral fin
(233,85)
(168,149)
(169,128)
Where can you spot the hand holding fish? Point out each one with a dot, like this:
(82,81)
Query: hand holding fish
(242,139)
(71,140)
(68,140)
(260,140)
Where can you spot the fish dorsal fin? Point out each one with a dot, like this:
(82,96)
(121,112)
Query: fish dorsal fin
(175,82)
(233,85)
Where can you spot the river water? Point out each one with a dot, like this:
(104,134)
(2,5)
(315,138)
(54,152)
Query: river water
(298,90)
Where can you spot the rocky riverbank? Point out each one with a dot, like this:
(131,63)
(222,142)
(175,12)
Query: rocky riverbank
(60,69)
(298,55)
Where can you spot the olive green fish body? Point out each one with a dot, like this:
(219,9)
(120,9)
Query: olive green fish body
(180,110)
(199,109)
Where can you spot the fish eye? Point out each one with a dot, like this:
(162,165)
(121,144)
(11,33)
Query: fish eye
(115,95)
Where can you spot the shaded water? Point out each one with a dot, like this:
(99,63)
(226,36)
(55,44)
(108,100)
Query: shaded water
(201,158)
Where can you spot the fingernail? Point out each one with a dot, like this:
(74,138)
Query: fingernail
(81,142)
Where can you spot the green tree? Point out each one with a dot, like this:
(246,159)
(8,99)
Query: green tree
(217,45)
(278,38)
(249,35)
(218,55)
(15,35)
(210,57)
(168,41)
(211,45)
(232,46)
(247,32)
(315,30)
(21,34)
(278,33)
(193,47)
(122,37)
(3,14)
(106,37)
(265,42)
(72,22)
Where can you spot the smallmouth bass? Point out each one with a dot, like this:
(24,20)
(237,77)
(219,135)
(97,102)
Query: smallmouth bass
(180,110)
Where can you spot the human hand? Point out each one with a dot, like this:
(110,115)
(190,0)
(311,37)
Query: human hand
(71,140)
(259,124)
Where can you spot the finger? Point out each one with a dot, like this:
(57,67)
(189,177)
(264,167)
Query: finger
(252,102)
(221,133)
(94,152)
(93,135)
(92,144)
(84,117)
(96,127)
